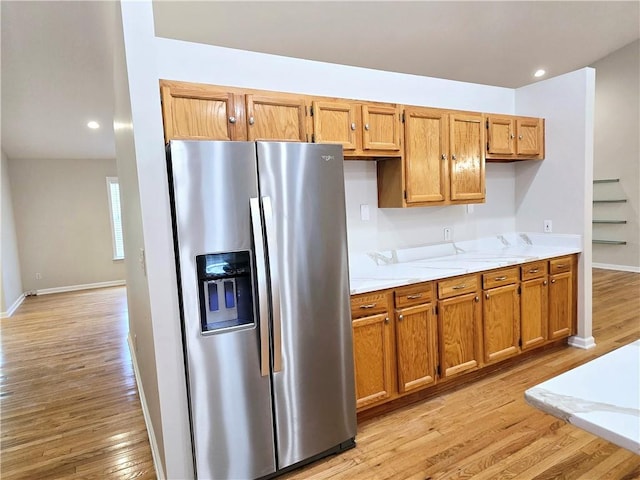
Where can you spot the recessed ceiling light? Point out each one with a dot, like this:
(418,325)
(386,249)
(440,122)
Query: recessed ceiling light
(93,125)
(539,73)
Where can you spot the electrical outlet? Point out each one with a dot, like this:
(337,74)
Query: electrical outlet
(38,276)
(548,226)
(447,234)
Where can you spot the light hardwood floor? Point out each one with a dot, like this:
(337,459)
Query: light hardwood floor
(70,407)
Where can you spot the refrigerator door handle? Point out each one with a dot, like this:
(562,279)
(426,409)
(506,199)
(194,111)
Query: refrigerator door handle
(275,283)
(261,275)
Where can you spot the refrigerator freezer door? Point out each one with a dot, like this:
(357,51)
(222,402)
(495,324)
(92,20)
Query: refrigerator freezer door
(230,401)
(314,394)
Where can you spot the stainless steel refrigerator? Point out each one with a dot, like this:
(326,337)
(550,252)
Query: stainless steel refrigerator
(261,256)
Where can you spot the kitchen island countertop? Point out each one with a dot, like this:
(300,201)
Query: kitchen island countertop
(601,396)
(394,268)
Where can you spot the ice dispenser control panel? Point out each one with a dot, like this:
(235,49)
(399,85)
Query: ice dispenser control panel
(225,288)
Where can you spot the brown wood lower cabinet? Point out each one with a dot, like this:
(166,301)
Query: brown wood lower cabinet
(480,319)
(501,315)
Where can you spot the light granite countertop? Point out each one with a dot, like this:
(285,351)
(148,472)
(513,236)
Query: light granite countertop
(601,397)
(394,268)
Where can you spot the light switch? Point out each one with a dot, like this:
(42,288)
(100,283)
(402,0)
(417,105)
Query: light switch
(364,213)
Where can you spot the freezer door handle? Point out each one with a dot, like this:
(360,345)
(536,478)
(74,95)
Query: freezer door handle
(261,276)
(275,283)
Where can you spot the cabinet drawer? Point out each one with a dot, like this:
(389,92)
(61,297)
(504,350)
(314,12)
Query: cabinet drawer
(368,304)
(534,270)
(413,295)
(560,265)
(499,278)
(457,286)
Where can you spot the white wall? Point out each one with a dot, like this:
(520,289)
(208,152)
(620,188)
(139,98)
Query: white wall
(141,334)
(617,155)
(11,290)
(149,59)
(62,220)
(559,188)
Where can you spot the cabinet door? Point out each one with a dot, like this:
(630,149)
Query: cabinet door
(276,119)
(335,122)
(466,171)
(501,323)
(415,347)
(560,305)
(381,128)
(501,136)
(529,136)
(459,334)
(372,349)
(533,312)
(193,112)
(426,151)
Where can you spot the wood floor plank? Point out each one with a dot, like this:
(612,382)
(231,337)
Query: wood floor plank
(70,407)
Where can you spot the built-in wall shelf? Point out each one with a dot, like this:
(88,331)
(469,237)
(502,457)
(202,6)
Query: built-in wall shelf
(607,180)
(610,242)
(611,200)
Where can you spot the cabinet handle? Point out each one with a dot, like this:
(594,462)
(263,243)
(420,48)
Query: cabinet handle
(486,295)
(499,279)
(544,283)
(400,317)
(252,120)
(386,320)
(459,287)
(553,281)
(232,119)
(453,157)
(368,305)
(413,297)
(519,137)
(366,126)
(534,270)
(562,265)
(353,125)
(444,156)
(477,299)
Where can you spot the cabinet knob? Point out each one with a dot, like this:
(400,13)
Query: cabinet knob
(553,281)
(544,283)
(519,137)
(453,157)
(477,299)
(512,136)
(232,119)
(366,126)
(400,317)
(251,120)
(353,125)
(444,156)
(386,320)
(486,295)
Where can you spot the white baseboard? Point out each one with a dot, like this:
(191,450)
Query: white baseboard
(581,342)
(611,266)
(155,450)
(13,307)
(86,286)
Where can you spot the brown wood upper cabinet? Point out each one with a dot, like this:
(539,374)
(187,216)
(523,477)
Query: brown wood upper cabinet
(205,112)
(512,138)
(443,162)
(363,129)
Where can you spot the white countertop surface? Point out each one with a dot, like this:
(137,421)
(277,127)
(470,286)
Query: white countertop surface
(394,268)
(601,397)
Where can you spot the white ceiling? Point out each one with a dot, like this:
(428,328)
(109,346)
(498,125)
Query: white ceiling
(56,56)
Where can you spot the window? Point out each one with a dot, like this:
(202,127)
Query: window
(113,188)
